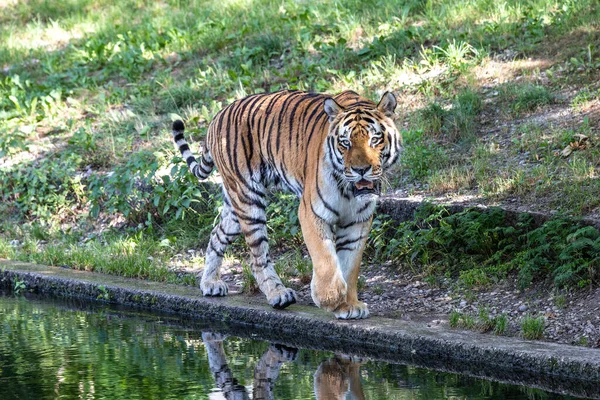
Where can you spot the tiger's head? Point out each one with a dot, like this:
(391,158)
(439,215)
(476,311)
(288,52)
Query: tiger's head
(363,141)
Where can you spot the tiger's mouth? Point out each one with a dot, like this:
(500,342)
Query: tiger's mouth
(365,187)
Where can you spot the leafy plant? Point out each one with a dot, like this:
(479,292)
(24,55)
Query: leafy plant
(44,189)
(421,155)
(532,328)
(19,287)
(480,246)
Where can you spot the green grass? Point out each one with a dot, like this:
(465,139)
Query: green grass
(454,319)
(481,322)
(89,88)
(500,324)
(532,328)
(526,98)
(136,256)
(249,284)
(453,124)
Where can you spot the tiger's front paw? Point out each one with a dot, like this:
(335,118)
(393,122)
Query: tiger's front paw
(214,288)
(358,310)
(330,295)
(281,297)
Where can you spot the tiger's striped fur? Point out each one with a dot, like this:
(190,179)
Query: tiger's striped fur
(330,152)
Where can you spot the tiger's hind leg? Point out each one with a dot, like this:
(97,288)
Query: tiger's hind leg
(217,362)
(221,236)
(252,219)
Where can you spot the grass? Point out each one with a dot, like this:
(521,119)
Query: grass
(136,256)
(526,98)
(88,90)
(481,322)
(249,284)
(532,328)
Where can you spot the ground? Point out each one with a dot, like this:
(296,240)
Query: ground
(499,104)
(570,317)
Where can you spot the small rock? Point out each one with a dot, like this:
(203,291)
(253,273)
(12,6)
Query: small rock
(523,308)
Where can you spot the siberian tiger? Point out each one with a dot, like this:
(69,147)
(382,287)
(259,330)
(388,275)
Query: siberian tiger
(329,151)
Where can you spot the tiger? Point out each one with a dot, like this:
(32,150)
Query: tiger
(338,378)
(330,151)
(266,370)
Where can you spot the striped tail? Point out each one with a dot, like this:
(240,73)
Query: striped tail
(200,170)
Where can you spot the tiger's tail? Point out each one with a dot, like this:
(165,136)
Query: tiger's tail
(202,169)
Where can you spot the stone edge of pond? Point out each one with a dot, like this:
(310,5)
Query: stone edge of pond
(571,369)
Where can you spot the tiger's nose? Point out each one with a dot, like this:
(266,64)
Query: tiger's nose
(361,171)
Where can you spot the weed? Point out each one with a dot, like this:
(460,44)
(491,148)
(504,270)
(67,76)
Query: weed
(481,246)
(104,294)
(468,321)
(458,55)
(454,319)
(481,322)
(284,270)
(474,277)
(301,266)
(532,328)
(527,98)
(431,119)
(361,284)
(421,156)
(560,301)
(282,214)
(484,322)
(583,341)
(249,285)
(6,250)
(454,124)
(500,324)
(583,98)
(378,290)
(19,287)
(451,179)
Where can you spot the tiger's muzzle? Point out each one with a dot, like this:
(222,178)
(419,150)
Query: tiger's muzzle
(365,187)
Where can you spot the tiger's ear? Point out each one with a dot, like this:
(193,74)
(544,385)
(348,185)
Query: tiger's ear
(332,109)
(387,104)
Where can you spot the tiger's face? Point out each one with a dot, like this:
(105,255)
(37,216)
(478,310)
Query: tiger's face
(363,141)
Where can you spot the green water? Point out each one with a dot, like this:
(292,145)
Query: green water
(51,350)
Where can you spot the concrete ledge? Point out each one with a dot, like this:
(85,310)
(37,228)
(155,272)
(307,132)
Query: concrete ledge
(549,366)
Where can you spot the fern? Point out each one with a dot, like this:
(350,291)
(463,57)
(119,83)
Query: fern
(479,246)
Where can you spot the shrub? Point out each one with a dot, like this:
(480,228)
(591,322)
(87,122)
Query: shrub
(532,328)
(481,245)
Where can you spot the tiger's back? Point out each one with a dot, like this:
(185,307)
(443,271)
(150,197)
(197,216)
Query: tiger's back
(266,137)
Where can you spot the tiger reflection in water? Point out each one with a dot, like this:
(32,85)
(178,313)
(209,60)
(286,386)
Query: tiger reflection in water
(336,378)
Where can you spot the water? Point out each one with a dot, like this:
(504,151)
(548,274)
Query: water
(52,350)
